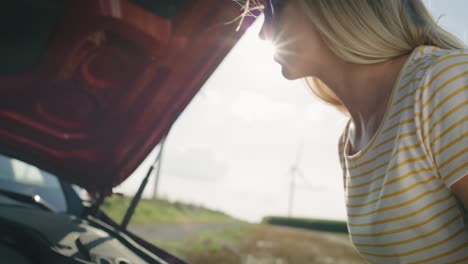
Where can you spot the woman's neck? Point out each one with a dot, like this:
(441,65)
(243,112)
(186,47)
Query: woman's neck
(365,91)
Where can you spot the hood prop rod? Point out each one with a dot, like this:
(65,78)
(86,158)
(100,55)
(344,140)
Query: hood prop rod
(137,197)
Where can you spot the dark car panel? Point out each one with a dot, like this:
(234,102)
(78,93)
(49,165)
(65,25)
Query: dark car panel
(61,238)
(110,82)
(87,89)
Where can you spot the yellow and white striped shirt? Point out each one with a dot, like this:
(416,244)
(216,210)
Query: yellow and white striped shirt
(399,205)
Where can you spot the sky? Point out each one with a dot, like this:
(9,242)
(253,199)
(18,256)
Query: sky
(234,146)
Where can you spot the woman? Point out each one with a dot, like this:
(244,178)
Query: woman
(403,81)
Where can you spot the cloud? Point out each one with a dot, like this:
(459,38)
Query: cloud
(194,162)
(251,106)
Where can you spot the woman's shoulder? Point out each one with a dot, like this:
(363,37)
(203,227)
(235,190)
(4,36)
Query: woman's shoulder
(448,61)
(426,61)
(447,73)
(441,106)
(434,73)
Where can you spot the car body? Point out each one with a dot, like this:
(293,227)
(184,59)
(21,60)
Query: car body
(87,89)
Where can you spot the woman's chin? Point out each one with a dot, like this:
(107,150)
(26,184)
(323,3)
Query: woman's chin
(287,74)
(286,70)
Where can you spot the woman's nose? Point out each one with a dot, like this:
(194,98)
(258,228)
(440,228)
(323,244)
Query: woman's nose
(265,32)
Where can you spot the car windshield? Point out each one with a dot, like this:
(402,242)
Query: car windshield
(22,178)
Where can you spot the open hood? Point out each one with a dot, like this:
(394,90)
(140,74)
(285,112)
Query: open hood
(89,87)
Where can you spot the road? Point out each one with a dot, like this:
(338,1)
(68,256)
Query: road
(177,232)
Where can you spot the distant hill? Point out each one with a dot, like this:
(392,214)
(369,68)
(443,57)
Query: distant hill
(162,211)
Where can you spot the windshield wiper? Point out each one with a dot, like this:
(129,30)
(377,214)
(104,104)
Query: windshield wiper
(30,199)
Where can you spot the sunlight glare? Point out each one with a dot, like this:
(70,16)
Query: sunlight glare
(267,47)
(262,51)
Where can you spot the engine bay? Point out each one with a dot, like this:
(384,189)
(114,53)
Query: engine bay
(30,235)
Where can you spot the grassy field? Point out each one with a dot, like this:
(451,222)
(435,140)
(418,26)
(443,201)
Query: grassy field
(162,211)
(239,242)
(264,244)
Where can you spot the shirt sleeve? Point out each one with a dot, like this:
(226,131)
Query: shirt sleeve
(442,114)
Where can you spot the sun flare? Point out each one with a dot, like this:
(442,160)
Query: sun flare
(254,48)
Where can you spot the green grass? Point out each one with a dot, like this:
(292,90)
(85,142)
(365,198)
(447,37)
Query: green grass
(162,211)
(312,224)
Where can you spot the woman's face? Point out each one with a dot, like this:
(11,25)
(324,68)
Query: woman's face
(300,49)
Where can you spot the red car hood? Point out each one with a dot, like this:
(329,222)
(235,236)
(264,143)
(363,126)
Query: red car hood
(98,87)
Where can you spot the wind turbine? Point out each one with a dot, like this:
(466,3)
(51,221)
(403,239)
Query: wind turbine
(294,170)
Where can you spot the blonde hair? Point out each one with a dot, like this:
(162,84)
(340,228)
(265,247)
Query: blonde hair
(372,31)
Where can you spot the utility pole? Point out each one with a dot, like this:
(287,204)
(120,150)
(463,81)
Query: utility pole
(137,197)
(158,170)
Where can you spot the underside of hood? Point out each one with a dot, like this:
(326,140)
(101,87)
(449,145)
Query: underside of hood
(89,87)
